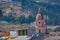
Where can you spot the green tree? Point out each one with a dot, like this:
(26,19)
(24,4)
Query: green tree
(8,18)
(22,19)
(57,29)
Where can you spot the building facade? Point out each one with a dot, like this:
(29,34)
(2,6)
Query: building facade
(5,0)
(10,8)
(40,22)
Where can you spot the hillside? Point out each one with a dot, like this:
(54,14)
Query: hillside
(50,8)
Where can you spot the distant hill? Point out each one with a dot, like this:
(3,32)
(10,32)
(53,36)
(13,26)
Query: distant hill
(50,8)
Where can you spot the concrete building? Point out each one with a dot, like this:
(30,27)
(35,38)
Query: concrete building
(4,0)
(40,22)
(16,9)
(8,7)
(41,0)
(4,7)
(52,2)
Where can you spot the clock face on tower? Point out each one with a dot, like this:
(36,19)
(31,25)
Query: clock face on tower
(39,19)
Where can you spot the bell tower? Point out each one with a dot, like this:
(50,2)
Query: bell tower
(40,22)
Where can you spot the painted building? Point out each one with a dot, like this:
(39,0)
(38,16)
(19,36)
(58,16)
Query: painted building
(9,7)
(4,0)
(40,22)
